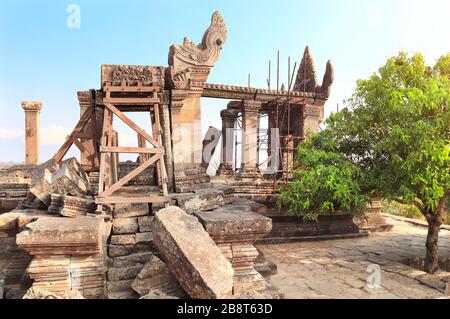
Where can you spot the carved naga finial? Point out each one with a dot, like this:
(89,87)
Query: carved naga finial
(206,53)
(307,78)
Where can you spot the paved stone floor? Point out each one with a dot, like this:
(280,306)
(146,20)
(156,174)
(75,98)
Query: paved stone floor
(339,268)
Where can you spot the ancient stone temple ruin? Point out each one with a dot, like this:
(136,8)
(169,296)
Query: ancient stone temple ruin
(110,229)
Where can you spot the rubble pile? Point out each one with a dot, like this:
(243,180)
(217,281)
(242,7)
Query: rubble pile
(130,248)
(67,177)
(71,206)
(156,279)
(14,185)
(68,254)
(17,258)
(11,195)
(36,293)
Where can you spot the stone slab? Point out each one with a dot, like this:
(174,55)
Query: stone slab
(225,225)
(191,255)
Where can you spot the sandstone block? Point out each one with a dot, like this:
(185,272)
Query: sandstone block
(125,226)
(122,250)
(191,255)
(67,177)
(144,238)
(63,236)
(123,239)
(130,210)
(145,223)
(156,278)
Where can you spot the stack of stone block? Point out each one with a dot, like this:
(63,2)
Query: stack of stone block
(235,232)
(71,206)
(130,248)
(17,259)
(67,254)
(11,195)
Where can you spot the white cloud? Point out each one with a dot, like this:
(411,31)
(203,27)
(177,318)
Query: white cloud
(10,134)
(54,134)
(49,135)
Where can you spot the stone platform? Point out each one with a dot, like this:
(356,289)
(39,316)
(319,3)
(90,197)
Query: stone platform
(287,228)
(339,269)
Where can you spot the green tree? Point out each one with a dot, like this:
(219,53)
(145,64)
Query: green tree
(395,134)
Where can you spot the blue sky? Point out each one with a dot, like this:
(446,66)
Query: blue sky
(42,59)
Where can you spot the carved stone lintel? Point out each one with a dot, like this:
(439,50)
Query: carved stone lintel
(132,75)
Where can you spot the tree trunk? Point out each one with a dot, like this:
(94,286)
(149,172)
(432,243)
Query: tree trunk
(431,259)
(434,225)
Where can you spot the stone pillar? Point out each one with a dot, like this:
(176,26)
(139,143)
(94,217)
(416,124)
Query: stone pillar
(226,157)
(90,159)
(164,115)
(32,111)
(250,110)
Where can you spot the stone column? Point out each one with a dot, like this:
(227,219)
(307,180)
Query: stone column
(90,159)
(164,115)
(226,160)
(32,111)
(249,167)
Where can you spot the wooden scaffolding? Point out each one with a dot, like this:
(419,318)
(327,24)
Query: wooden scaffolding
(142,98)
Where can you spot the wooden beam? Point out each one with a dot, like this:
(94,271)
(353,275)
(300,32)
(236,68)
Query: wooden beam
(130,200)
(108,88)
(130,176)
(68,143)
(133,125)
(132,150)
(126,100)
(81,147)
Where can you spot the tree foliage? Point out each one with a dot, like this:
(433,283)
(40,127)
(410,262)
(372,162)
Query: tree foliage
(392,139)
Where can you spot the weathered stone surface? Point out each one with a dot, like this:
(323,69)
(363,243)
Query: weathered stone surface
(63,236)
(67,177)
(71,206)
(123,272)
(156,278)
(59,273)
(191,255)
(126,294)
(204,199)
(119,285)
(122,250)
(125,226)
(138,259)
(123,239)
(130,210)
(235,232)
(2,287)
(37,293)
(156,296)
(144,238)
(145,223)
(226,225)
